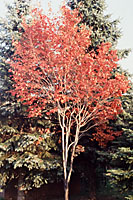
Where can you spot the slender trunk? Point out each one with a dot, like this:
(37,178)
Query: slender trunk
(66,127)
(21,195)
(66,190)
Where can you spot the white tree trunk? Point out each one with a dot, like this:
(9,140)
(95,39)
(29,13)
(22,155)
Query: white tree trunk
(66,190)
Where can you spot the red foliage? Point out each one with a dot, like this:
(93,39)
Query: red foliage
(51,66)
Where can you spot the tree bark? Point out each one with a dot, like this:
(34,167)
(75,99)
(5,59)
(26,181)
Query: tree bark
(66,190)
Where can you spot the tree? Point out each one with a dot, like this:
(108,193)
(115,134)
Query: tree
(107,30)
(10,28)
(28,155)
(52,69)
(20,137)
(120,152)
(103,29)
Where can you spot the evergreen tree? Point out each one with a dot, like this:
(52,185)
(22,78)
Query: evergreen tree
(10,30)
(106,30)
(118,157)
(28,149)
(120,172)
(103,28)
(28,153)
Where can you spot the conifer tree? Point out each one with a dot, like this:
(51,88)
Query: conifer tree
(120,154)
(10,30)
(25,145)
(104,29)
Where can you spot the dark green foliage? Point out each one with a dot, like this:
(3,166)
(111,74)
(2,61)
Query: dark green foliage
(32,152)
(121,151)
(103,28)
(11,29)
(28,147)
(117,156)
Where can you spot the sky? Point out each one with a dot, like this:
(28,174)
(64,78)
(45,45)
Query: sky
(120,9)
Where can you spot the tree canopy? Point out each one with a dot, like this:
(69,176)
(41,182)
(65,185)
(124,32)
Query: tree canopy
(55,74)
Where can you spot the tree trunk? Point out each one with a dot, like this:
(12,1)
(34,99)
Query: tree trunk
(66,190)
(21,195)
